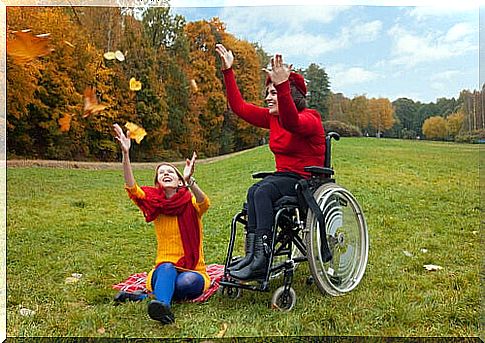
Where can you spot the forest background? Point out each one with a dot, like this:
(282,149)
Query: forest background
(180,99)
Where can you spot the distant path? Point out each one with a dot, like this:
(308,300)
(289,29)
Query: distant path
(106,165)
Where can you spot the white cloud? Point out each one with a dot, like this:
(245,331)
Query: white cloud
(410,49)
(340,76)
(291,18)
(447,75)
(460,31)
(362,32)
(447,9)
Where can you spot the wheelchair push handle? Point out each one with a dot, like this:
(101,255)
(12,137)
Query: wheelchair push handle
(328,150)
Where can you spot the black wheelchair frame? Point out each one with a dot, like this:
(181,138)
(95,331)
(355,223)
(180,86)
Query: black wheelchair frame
(321,239)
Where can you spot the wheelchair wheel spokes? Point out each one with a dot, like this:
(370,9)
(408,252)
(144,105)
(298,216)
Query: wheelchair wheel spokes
(347,238)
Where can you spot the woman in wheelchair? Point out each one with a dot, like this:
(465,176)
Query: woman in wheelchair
(296,138)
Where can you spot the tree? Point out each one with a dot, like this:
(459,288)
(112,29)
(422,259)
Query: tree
(454,123)
(435,127)
(358,113)
(318,86)
(381,114)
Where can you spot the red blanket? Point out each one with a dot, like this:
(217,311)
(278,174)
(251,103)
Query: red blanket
(137,282)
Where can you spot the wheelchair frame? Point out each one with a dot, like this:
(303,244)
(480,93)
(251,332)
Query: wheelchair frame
(323,236)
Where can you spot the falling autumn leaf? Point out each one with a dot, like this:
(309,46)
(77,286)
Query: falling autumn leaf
(119,56)
(194,85)
(432,267)
(26,47)
(110,55)
(69,44)
(65,123)
(134,84)
(91,104)
(221,333)
(25,312)
(136,132)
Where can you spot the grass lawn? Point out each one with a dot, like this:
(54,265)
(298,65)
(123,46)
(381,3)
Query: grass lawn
(415,194)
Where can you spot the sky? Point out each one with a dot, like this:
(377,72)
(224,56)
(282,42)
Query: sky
(376,49)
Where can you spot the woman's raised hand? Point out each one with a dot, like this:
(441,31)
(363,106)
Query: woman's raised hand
(227,57)
(189,167)
(279,72)
(125,141)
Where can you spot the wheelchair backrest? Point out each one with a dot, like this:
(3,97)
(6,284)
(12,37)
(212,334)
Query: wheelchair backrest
(328,148)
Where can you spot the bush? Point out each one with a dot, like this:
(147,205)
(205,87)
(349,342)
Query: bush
(475,136)
(343,129)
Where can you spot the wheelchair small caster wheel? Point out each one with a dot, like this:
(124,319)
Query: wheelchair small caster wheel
(231,292)
(283,300)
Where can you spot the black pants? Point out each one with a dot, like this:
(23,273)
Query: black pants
(261,197)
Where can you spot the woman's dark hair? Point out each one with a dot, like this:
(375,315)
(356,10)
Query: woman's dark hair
(298,98)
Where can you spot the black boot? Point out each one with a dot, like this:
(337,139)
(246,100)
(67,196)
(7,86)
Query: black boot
(249,253)
(258,266)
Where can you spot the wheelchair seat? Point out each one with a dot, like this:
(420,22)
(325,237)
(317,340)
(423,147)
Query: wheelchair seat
(286,200)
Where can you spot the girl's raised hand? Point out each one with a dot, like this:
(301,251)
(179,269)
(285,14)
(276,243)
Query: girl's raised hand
(125,141)
(227,57)
(189,167)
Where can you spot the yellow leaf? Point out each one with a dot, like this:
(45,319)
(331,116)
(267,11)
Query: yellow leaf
(110,55)
(194,85)
(134,84)
(221,333)
(136,132)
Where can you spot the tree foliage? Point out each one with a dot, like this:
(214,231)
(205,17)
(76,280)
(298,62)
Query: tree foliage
(181,102)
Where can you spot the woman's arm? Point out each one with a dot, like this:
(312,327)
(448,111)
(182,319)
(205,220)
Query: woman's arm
(188,172)
(254,115)
(125,144)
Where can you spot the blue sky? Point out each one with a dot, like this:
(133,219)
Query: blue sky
(422,53)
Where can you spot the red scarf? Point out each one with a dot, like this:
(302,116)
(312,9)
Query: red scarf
(180,205)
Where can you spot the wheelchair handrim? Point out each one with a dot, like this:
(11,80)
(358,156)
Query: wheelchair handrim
(349,247)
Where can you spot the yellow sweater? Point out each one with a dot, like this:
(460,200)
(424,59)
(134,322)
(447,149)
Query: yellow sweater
(169,241)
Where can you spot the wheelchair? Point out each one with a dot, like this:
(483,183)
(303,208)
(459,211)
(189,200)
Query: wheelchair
(323,225)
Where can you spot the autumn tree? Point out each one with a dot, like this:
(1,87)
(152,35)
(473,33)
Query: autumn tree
(166,35)
(358,112)
(454,123)
(381,114)
(435,128)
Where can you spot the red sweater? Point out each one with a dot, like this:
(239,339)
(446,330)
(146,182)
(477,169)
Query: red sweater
(296,139)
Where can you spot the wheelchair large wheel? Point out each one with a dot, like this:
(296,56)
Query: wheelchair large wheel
(347,239)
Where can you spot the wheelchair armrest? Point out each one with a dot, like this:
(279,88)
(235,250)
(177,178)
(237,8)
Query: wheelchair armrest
(319,171)
(261,175)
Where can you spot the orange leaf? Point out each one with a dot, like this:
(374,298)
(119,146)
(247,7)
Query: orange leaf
(65,123)
(91,104)
(134,84)
(136,132)
(25,47)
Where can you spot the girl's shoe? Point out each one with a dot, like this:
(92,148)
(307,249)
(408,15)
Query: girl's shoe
(161,312)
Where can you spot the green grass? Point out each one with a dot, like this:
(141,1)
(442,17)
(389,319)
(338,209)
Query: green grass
(414,194)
